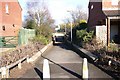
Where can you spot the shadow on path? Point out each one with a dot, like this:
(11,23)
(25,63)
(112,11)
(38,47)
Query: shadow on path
(67,46)
(62,45)
(70,71)
(40,74)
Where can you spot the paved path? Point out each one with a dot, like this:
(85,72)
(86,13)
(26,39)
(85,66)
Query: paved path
(65,64)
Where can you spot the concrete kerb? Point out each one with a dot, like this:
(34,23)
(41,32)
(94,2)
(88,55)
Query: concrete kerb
(90,57)
(86,53)
(5,70)
(38,54)
(93,57)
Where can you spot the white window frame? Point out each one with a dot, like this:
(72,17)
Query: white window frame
(7,9)
(114,2)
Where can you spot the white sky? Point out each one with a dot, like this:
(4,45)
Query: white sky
(59,8)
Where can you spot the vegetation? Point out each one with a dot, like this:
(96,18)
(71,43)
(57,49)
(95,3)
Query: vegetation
(77,16)
(82,25)
(42,39)
(30,24)
(84,36)
(87,40)
(40,20)
(81,34)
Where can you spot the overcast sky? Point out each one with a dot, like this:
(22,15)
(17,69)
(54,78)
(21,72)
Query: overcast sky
(59,8)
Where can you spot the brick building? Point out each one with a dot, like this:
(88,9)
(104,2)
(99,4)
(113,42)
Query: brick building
(10,18)
(107,13)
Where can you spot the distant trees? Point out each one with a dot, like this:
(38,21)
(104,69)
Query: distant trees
(79,26)
(30,24)
(77,15)
(39,18)
(39,12)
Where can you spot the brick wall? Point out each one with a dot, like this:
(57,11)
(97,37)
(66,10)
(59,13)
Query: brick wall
(95,14)
(108,4)
(11,21)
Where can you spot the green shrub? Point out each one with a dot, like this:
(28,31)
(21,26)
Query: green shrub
(43,32)
(81,34)
(30,24)
(113,47)
(83,21)
(82,25)
(43,40)
(88,37)
(85,36)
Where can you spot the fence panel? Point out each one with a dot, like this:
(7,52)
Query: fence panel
(8,41)
(25,35)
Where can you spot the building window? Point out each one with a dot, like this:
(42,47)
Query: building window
(3,27)
(7,9)
(114,2)
(13,25)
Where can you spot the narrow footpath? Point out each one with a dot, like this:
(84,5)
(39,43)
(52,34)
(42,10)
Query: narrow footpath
(64,64)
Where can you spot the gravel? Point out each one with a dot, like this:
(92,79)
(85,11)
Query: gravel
(8,58)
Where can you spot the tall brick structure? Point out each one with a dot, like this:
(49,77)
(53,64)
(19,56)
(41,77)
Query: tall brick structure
(105,13)
(10,18)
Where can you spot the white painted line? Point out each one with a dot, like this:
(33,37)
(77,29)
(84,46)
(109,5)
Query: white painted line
(46,70)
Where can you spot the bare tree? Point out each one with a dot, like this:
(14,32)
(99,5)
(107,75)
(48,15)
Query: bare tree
(78,15)
(39,12)
(39,18)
